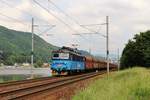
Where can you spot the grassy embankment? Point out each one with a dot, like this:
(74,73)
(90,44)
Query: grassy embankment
(130,84)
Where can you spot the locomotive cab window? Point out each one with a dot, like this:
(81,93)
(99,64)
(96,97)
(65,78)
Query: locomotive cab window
(60,56)
(56,55)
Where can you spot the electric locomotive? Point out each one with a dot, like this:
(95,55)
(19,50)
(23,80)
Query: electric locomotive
(67,60)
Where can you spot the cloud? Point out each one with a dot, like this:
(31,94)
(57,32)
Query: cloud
(127,17)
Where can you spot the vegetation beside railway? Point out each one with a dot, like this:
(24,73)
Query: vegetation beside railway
(137,51)
(130,84)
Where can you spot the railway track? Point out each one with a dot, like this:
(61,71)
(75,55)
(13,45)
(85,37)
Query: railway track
(16,90)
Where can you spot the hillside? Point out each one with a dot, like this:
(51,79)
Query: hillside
(15,46)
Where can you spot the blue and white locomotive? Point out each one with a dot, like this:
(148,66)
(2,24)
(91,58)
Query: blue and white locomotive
(67,60)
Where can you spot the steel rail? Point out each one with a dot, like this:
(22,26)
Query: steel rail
(12,86)
(18,93)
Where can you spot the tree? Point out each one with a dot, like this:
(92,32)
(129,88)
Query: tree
(10,60)
(137,51)
(39,63)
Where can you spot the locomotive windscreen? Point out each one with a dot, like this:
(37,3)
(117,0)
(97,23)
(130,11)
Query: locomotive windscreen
(60,56)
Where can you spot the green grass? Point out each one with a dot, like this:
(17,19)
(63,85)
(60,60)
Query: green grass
(130,84)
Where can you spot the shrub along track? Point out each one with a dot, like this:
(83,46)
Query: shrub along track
(33,87)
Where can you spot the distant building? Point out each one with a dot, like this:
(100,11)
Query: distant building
(16,64)
(45,65)
(26,64)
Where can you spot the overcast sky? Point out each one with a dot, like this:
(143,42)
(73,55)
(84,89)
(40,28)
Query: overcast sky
(126,18)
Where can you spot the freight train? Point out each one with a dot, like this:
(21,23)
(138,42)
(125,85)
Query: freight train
(68,60)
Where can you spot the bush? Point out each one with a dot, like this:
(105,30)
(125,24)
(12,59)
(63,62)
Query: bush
(38,64)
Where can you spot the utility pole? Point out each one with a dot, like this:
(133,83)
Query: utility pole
(90,50)
(1,56)
(118,60)
(107,43)
(32,52)
(90,44)
(105,36)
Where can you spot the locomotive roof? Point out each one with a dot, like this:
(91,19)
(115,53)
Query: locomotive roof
(68,50)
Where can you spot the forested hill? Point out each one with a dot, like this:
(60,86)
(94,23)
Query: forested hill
(15,46)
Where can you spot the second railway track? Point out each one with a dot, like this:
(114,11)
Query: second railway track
(11,91)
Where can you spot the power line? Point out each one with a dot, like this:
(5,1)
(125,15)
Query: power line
(19,21)
(63,12)
(94,32)
(67,16)
(48,12)
(94,24)
(55,16)
(20,10)
(47,29)
(10,5)
(74,19)
(59,19)
(45,10)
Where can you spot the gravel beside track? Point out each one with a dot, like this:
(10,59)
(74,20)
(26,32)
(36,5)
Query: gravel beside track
(21,89)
